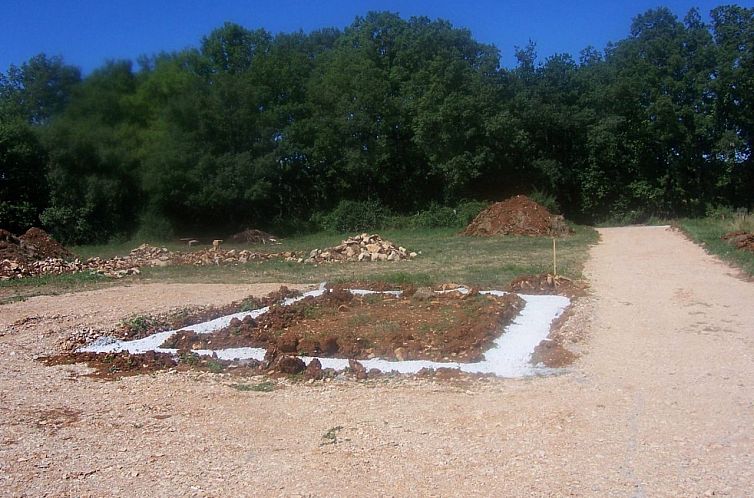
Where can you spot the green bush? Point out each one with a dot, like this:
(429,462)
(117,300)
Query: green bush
(435,216)
(154,228)
(468,210)
(545,199)
(354,216)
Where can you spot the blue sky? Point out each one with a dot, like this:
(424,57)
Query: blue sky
(87,32)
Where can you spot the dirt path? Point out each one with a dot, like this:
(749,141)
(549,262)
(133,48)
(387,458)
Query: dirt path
(661,404)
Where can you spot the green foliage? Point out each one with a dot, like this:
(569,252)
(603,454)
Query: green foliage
(259,130)
(23,188)
(262,387)
(354,216)
(545,199)
(435,216)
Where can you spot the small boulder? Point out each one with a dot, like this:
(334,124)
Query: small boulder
(314,370)
(290,365)
(358,369)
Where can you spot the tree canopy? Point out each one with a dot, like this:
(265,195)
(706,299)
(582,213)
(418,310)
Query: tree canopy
(256,129)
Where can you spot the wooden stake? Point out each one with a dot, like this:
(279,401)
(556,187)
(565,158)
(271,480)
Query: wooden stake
(554,259)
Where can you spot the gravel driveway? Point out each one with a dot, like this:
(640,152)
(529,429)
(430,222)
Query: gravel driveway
(661,403)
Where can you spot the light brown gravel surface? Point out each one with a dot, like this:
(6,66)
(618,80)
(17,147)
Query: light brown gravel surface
(660,404)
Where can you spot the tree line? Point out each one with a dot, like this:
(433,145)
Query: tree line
(251,129)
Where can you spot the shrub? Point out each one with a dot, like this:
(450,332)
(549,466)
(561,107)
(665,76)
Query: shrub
(354,216)
(154,228)
(467,211)
(435,216)
(545,199)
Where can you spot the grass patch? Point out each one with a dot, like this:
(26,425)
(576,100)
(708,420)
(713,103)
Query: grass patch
(444,257)
(707,233)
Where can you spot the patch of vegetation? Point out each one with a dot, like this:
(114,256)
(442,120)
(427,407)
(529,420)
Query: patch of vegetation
(214,366)
(262,387)
(189,358)
(140,324)
(708,232)
(331,436)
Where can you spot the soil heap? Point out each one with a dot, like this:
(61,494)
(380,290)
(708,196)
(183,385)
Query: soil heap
(362,247)
(44,245)
(253,236)
(34,245)
(741,240)
(518,215)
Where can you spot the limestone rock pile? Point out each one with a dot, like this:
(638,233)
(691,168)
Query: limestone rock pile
(362,247)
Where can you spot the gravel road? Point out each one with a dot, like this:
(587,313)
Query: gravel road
(661,403)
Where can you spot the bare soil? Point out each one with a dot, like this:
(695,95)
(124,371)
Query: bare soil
(548,284)
(660,403)
(518,215)
(34,245)
(338,324)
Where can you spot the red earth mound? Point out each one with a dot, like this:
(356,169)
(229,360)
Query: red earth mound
(741,240)
(34,245)
(518,215)
(44,245)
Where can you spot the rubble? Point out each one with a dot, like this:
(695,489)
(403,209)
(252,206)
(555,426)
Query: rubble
(362,247)
(143,256)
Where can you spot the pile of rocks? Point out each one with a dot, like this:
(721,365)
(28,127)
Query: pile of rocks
(150,256)
(143,256)
(362,247)
(118,268)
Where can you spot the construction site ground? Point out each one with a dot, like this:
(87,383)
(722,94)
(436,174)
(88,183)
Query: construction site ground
(660,402)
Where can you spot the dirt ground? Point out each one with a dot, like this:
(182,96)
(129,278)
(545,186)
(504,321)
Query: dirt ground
(661,403)
(338,324)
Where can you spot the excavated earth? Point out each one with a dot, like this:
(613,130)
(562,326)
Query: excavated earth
(659,403)
(518,215)
(339,324)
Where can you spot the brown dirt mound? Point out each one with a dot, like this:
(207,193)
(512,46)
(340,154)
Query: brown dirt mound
(34,245)
(741,240)
(518,215)
(114,365)
(44,245)
(338,324)
(253,236)
(547,284)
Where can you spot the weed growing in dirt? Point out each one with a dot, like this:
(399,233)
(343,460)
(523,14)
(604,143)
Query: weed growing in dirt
(189,358)
(263,387)
(215,366)
(140,324)
(331,436)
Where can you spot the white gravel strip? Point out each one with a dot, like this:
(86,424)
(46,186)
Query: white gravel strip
(509,356)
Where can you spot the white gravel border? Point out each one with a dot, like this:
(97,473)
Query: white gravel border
(509,356)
